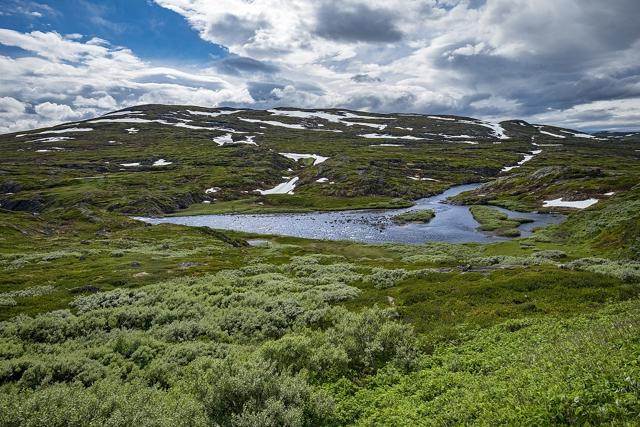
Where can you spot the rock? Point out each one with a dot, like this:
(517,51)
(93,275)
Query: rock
(188,264)
(141,274)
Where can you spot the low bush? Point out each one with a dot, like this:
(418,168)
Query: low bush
(423,216)
(382,278)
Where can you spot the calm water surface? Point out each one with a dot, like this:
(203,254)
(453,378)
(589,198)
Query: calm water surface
(453,224)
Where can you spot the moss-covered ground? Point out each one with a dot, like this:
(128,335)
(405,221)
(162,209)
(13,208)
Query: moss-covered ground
(421,216)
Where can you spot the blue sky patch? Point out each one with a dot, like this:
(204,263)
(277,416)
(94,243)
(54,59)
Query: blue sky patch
(152,32)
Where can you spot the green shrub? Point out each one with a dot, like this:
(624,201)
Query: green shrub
(250,393)
(627,271)
(370,340)
(7,302)
(550,254)
(382,278)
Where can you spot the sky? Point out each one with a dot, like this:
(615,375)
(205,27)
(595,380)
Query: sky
(570,63)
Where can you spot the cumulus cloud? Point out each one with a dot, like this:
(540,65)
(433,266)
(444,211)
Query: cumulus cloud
(356,22)
(56,112)
(13,115)
(63,79)
(554,60)
(494,58)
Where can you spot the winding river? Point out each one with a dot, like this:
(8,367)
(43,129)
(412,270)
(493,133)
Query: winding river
(453,224)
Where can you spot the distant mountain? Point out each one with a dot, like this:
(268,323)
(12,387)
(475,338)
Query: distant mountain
(632,135)
(155,159)
(366,125)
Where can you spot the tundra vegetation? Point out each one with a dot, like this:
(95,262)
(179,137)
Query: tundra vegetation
(422,216)
(105,320)
(499,223)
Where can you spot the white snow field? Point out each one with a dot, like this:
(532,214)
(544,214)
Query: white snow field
(578,204)
(284,188)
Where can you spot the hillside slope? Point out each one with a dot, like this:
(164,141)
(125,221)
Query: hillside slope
(159,159)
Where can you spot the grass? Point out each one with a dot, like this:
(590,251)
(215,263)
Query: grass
(422,216)
(497,222)
(294,203)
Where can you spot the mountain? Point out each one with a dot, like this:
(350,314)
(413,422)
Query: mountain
(157,159)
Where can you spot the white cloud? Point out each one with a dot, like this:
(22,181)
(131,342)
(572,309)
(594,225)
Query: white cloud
(494,59)
(56,112)
(605,115)
(65,79)
(50,45)
(10,106)
(105,102)
(13,115)
(502,58)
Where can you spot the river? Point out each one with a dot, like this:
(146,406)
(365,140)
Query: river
(452,223)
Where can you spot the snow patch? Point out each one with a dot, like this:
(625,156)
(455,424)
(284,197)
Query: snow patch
(371,125)
(65,131)
(123,120)
(186,126)
(579,135)
(417,178)
(498,130)
(386,136)
(180,124)
(228,139)
(130,165)
(321,180)
(161,162)
(552,134)
(53,139)
(216,114)
(330,117)
(284,188)
(273,123)
(333,118)
(449,119)
(578,204)
(295,156)
(452,136)
(229,130)
(123,113)
(224,139)
(527,157)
